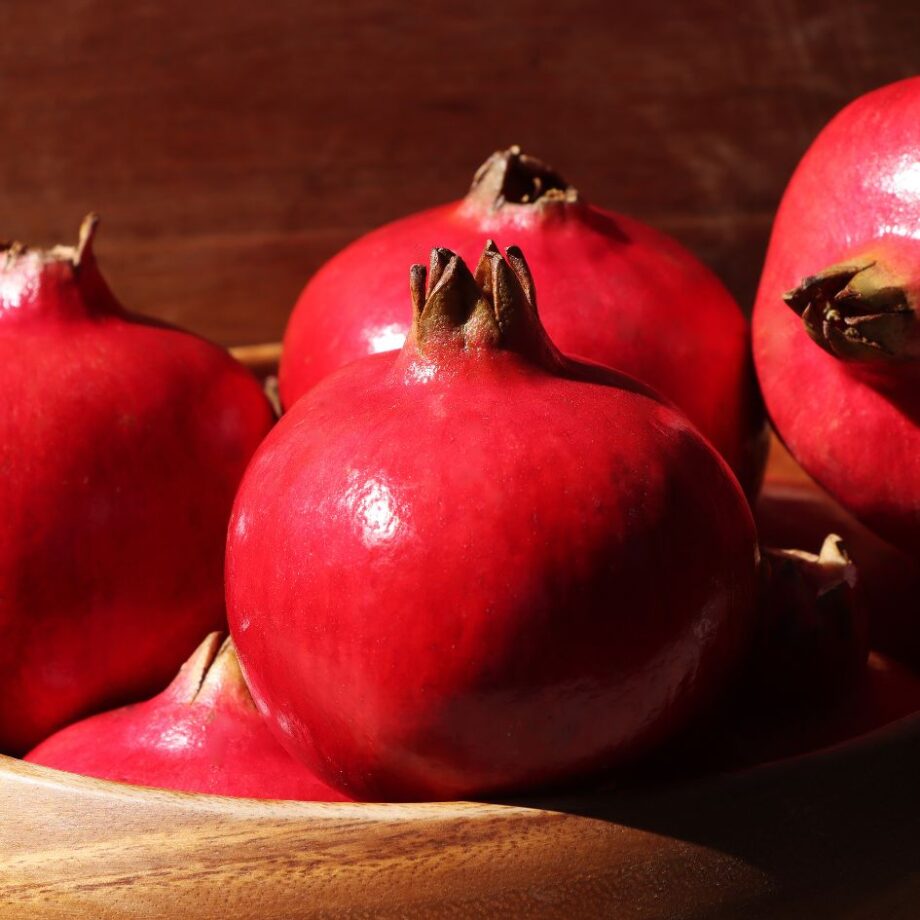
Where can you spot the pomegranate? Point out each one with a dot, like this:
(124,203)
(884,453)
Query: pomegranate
(835,324)
(814,635)
(612,290)
(201,734)
(799,514)
(810,681)
(122,442)
(478,565)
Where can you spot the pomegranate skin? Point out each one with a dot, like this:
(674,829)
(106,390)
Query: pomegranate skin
(612,291)
(810,681)
(851,424)
(476,567)
(888,584)
(122,442)
(202,734)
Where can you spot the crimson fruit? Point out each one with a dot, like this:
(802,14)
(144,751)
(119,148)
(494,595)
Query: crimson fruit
(814,636)
(810,681)
(888,582)
(122,442)
(202,734)
(478,565)
(836,338)
(612,290)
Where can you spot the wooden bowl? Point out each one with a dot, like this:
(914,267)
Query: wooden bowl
(834,834)
(828,835)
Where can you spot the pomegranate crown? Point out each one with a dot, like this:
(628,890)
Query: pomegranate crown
(212,674)
(813,623)
(860,310)
(494,309)
(831,570)
(63,281)
(73,254)
(515,178)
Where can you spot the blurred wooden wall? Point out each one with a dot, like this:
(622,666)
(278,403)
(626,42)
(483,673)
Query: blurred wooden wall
(231,146)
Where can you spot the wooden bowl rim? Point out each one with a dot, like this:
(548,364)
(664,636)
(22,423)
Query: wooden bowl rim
(900,732)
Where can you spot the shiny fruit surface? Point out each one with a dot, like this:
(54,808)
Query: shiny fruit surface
(612,290)
(836,325)
(122,442)
(202,734)
(478,566)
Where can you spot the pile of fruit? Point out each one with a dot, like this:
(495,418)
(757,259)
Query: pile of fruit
(501,538)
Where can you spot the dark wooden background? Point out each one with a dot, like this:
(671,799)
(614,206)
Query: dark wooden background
(231,146)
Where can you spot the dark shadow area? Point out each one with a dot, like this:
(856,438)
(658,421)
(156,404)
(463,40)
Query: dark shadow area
(844,820)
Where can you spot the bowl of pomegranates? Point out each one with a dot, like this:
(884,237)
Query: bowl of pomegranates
(495,607)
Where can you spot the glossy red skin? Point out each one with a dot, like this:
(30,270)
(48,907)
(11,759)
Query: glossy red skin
(477,575)
(121,445)
(611,290)
(799,515)
(217,743)
(854,429)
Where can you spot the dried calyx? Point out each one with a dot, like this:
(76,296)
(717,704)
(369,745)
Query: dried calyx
(63,281)
(493,309)
(815,637)
(830,571)
(213,672)
(75,255)
(859,310)
(512,177)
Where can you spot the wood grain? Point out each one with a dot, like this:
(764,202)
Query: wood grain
(233,146)
(804,838)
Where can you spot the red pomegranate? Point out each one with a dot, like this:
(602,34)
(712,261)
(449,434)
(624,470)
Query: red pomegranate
(810,681)
(800,514)
(201,734)
(122,442)
(814,636)
(478,565)
(835,324)
(612,290)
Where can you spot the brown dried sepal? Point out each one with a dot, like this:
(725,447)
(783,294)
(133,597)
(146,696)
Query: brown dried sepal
(814,640)
(515,178)
(212,673)
(859,311)
(13,250)
(493,308)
